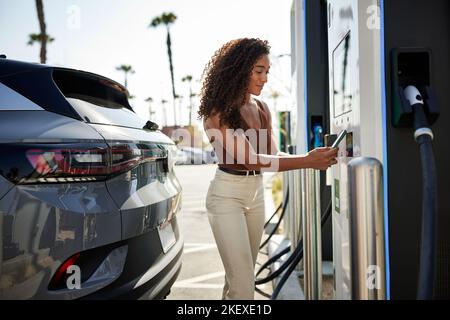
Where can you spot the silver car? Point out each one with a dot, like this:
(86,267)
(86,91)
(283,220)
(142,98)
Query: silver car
(88,195)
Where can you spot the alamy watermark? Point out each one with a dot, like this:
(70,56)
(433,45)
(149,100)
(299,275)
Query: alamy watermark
(73,20)
(373,20)
(373,277)
(74,279)
(242,147)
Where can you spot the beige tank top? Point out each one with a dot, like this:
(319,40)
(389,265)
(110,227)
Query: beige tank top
(260,149)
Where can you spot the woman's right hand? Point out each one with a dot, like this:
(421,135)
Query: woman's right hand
(322,158)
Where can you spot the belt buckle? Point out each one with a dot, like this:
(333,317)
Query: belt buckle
(254,173)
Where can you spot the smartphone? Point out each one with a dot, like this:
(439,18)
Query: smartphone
(339,139)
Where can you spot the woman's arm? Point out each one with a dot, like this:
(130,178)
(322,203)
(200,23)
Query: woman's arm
(238,149)
(320,159)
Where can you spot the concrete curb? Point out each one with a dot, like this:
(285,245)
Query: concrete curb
(291,289)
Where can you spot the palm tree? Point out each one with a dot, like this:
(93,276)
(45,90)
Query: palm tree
(150,111)
(275,95)
(126,69)
(167,18)
(179,100)
(163,102)
(188,78)
(42,37)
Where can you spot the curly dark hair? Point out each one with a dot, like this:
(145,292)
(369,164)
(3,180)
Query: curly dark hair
(226,79)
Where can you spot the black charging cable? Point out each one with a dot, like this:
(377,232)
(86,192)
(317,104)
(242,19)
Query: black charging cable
(283,211)
(424,137)
(297,256)
(294,257)
(272,259)
(273,215)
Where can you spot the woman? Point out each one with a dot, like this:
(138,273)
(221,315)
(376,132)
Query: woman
(239,128)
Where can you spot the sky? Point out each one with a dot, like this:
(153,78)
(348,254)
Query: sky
(99,35)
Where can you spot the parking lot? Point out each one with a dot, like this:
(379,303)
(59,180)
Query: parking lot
(202,274)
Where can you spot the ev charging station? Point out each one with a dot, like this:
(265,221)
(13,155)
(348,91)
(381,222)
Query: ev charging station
(380,70)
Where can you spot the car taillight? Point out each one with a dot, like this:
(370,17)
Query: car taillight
(129,155)
(59,279)
(73,162)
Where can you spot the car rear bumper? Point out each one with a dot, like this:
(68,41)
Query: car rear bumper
(150,279)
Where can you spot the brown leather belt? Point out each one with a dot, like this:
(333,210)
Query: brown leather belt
(241,172)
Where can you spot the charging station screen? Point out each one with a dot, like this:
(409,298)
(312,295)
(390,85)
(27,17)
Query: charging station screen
(342,93)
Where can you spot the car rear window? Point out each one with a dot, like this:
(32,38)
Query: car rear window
(103,114)
(12,100)
(97,99)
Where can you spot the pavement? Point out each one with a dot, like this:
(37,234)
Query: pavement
(202,273)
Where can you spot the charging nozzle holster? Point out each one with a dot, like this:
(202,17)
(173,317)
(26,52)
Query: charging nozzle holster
(411,66)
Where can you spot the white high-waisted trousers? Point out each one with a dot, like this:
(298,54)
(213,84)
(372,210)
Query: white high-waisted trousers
(236,213)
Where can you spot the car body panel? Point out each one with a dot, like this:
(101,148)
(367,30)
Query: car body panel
(143,208)
(145,193)
(116,133)
(40,232)
(9,67)
(43,126)
(151,268)
(5,186)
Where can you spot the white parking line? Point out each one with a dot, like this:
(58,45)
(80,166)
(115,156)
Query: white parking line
(200,247)
(188,244)
(193,208)
(195,282)
(201,278)
(198,285)
(194,199)
(187,199)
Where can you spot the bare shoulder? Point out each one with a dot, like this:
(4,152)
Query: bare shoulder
(211,125)
(212,122)
(265,107)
